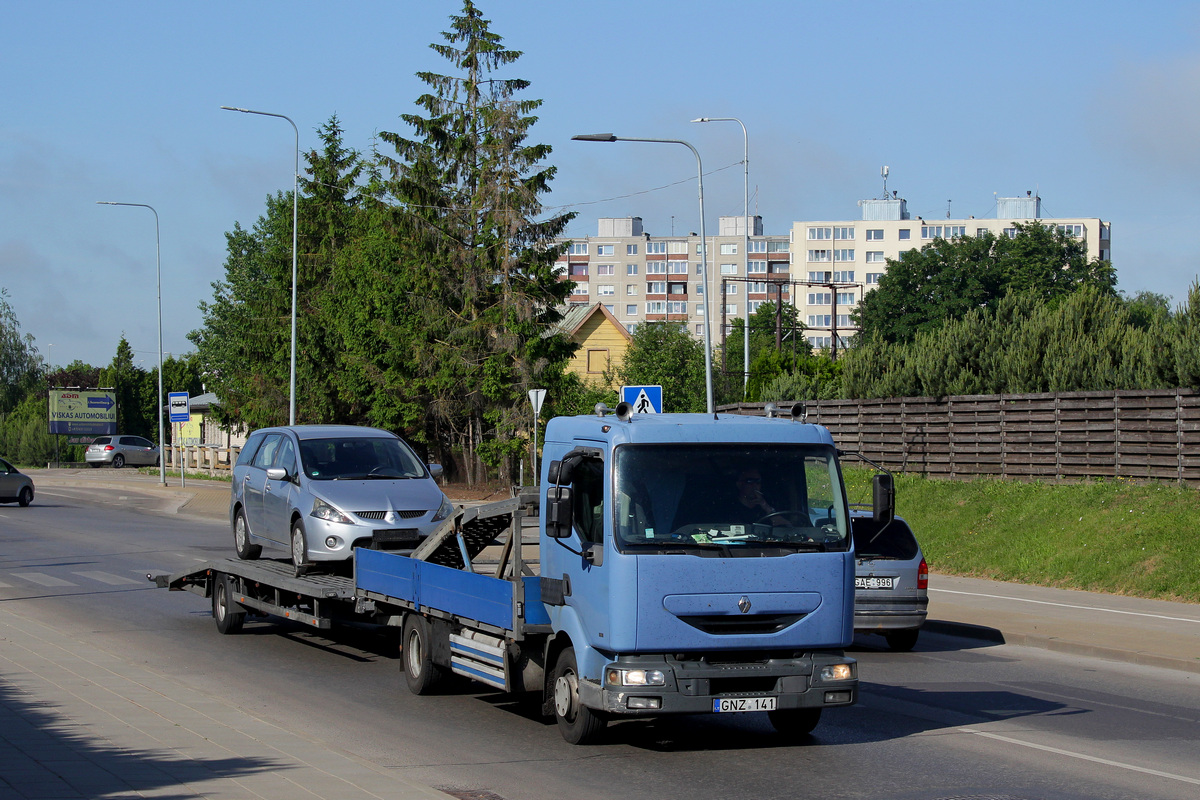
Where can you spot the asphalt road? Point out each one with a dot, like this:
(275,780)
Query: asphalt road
(956,718)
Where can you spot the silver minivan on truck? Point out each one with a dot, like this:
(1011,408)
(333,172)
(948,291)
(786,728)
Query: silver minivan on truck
(319,491)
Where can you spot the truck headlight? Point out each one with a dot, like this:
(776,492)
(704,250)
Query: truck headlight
(445,510)
(635,677)
(836,672)
(322,510)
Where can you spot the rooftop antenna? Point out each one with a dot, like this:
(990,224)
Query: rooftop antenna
(884,172)
(948,202)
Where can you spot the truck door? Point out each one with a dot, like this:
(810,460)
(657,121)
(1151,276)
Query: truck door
(584,570)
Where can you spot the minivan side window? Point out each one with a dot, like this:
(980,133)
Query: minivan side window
(266,453)
(246,457)
(285,456)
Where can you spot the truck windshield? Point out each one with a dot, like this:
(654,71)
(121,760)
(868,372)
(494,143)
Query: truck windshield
(351,458)
(730,499)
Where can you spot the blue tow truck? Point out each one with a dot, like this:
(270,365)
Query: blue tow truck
(666,564)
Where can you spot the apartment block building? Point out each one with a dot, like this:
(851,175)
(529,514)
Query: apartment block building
(822,267)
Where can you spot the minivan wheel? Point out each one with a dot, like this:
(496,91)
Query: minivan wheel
(118,461)
(241,539)
(299,549)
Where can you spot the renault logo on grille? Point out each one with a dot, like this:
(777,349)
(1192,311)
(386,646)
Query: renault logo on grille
(744,604)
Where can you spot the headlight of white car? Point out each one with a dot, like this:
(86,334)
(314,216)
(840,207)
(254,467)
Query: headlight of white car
(322,510)
(446,509)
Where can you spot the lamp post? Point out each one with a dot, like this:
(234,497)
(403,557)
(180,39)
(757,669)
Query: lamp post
(162,461)
(746,244)
(295,217)
(608,137)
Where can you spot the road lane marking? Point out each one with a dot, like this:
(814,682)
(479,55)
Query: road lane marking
(110,579)
(1083,757)
(41,579)
(1068,605)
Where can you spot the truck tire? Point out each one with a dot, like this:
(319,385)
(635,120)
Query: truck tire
(576,723)
(903,641)
(241,538)
(226,613)
(420,673)
(794,722)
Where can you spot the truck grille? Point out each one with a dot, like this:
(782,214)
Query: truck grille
(741,624)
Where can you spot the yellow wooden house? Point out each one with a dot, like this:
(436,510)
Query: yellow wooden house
(602,340)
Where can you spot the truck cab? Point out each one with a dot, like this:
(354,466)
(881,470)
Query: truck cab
(696,563)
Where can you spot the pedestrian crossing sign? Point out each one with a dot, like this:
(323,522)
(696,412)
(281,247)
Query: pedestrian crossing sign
(643,399)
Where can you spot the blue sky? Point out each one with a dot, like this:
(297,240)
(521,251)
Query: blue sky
(1092,104)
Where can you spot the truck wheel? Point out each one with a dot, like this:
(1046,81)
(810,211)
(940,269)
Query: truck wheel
(299,549)
(794,722)
(576,723)
(420,673)
(902,641)
(26,496)
(241,539)
(227,614)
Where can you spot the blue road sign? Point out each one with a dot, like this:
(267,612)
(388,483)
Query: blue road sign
(644,399)
(180,405)
(103,401)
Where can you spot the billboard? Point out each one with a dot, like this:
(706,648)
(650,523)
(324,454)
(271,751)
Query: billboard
(89,412)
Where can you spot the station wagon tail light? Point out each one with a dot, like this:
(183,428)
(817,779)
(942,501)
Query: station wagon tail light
(108,447)
(923,575)
(322,510)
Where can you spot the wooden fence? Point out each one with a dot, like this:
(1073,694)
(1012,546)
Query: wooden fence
(1136,434)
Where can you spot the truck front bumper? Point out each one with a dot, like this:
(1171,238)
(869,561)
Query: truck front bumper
(697,686)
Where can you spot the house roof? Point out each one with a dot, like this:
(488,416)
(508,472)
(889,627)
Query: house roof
(576,316)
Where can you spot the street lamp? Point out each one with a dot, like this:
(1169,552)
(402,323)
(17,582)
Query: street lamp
(608,137)
(158,404)
(295,217)
(746,245)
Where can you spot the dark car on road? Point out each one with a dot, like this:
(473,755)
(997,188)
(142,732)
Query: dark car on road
(891,580)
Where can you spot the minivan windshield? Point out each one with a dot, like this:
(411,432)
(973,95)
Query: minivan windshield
(358,458)
(729,498)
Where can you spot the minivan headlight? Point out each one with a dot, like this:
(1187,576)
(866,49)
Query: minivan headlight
(445,510)
(322,510)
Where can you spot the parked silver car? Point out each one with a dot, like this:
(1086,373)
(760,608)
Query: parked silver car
(891,581)
(15,486)
(319,491)
(121,450)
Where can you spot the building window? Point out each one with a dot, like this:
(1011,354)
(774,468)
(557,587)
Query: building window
(580,288)
(699,288)
(843,255)
(631,326)
(819,298)
(606,269)
(816,277)
(1104,233)
(904,233)
(656,287)
(981,232)
(657,248)
(754,305)
(609,308)
(777,247)
(756,268)
(701,250)
(758,287)
(845,276)
(631,249)
(631,310)
(943,231)
(676,288)
(631,290)
(656,268)
(1074,231)
(729,249)
(875,257)
(606,290)
(677,267)
(845,298)
(820,233)
(819,320)
(578,249)
(731,309)
(677,247)
(1010,233)
(579,269)
(729,288)
(757,246)
(700,330)
(843,233)
(875,234)
(873,278)
(656,307)
(820,255)
(729,269)
(597,361)
(631,269)
(604,249)
(676,307)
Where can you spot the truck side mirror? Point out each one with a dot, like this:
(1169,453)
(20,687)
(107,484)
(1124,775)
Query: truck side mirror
(883,498)
(558,511)
(552,472)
